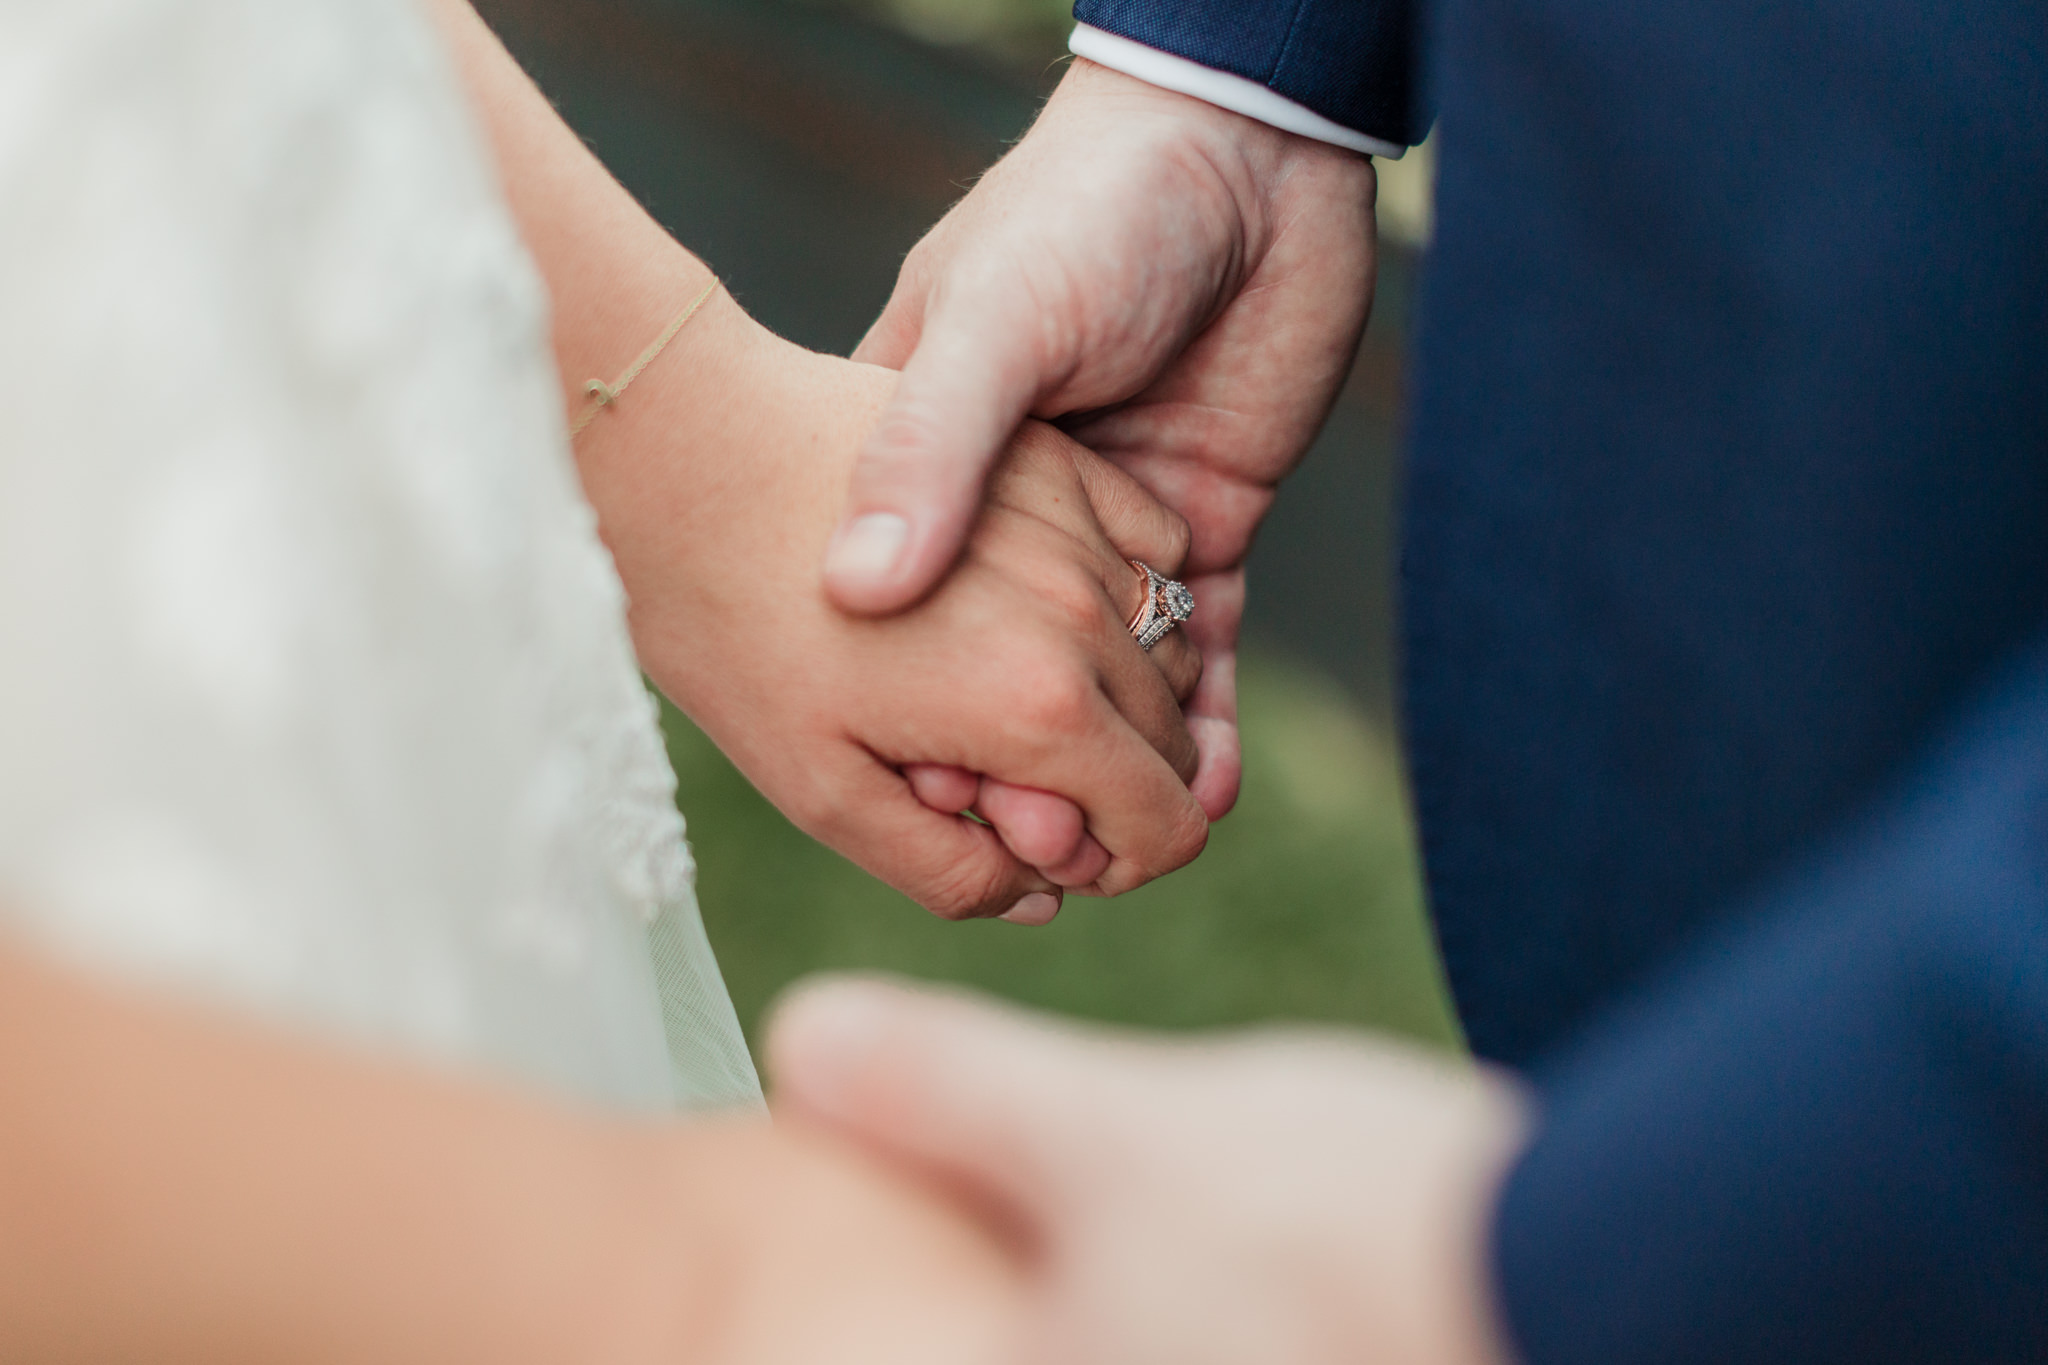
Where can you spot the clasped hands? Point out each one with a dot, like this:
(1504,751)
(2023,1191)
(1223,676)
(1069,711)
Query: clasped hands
(1184,289)
(1015,690)
(1300,1200)
(1012,690)
(999,743)
(1188,313)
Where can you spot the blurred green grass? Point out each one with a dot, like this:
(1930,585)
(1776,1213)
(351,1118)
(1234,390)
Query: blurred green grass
(1305,907)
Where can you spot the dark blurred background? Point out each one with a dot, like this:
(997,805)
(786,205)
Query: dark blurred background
(801,149)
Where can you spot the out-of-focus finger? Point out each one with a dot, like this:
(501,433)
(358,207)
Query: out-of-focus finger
(917,485)
(1219,774)
(942,786)
(990,1098)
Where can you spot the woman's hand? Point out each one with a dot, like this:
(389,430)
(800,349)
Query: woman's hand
(716,480)
(1021,668)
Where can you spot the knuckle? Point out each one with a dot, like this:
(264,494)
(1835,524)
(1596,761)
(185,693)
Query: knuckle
(825,818)
(919,262)
(1038,461)
(1052,450)
(811,799)
(1073,594)
(1167,849)
(1187,839)
(908,436)
(1052,700)
(1123,876)
(968,887)
(930,263)
(1180,840)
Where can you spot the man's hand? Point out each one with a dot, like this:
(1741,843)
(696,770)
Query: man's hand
(1291,1200)
(1184,285)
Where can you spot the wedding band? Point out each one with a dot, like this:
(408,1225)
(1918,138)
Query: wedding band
(1166,605)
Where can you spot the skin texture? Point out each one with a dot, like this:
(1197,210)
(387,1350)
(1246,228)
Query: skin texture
(1290,1199)
(717,479)
(1182,287)
(177,1187)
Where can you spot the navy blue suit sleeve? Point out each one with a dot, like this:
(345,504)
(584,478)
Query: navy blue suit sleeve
(1352,61)
(1826,1140)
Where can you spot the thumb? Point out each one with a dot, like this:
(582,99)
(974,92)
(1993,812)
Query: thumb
(917,485)
(980,1097)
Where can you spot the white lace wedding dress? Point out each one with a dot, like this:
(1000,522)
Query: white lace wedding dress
(315,689)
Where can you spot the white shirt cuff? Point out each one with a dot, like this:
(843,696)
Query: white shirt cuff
(1221,89)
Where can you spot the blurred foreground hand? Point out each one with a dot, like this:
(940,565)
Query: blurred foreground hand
(1287,1199)
(185,1186)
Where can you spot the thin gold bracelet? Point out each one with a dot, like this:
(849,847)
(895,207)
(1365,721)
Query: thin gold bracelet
(603,395)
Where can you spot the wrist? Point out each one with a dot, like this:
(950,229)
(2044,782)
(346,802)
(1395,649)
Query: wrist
(714,478)
(616,278)
(1253,98)
(1251,158)
(1279,227)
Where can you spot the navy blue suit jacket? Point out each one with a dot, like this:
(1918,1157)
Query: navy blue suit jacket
(1725,581)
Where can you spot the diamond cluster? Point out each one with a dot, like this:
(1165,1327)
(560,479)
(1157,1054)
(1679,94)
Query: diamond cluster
(1176,600)
(1167,604)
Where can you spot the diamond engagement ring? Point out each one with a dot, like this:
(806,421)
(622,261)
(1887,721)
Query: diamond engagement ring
(1166,605)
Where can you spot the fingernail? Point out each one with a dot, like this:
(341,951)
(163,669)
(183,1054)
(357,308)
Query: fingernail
(868,546)
(1036,908)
